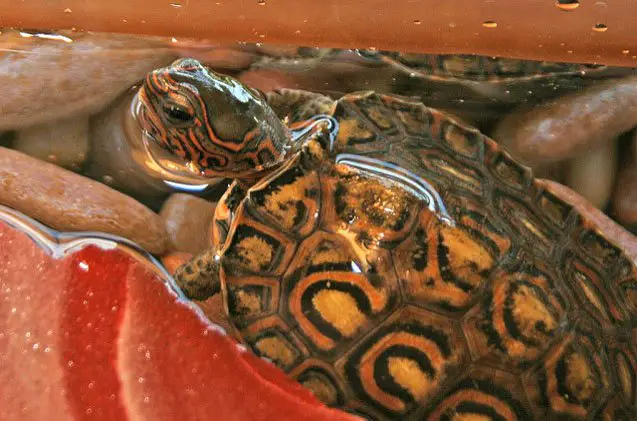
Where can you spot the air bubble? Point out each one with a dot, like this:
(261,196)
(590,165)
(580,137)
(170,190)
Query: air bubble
(175,5)
(625,52)
(600,27)
(417,22)
(67,10)
(261,2)
(567,5)
(490,24)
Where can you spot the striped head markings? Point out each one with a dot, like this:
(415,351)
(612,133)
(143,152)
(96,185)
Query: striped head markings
(212,123)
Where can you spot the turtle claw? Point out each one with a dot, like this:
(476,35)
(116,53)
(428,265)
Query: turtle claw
(199,278)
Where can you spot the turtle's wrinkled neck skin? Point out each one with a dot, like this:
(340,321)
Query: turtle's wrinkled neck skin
(216,125)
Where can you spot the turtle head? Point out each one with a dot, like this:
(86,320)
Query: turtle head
(211,123)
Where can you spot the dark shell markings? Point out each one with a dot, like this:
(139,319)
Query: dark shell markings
(401,265)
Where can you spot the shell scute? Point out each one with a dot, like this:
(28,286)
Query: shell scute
(291,199)
(461,140)
(255,247)
(525,224)
(271,338)
(364,133)
(509,173)
(555,210)
(405,361)
(334,295)
(322,380)
(573,380)
(441,267)
(249,298)
(593,292)
(482,393)
(521,315)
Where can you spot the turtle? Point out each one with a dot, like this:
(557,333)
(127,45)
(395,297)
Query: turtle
(488,87)
(394,261)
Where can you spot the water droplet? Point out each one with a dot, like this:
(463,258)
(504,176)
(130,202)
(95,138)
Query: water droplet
(89,411)
(84,266)
(567,5)
(175,5)
(70,363)
(600,5)
(490,24)
(140,380)
(27,335)
(261,2)
(600,27)
(174,40)
(417,22)
(14,310)
(107,179)
(625,51)
(146,399)
(147,355)
(91,385)
(67,10)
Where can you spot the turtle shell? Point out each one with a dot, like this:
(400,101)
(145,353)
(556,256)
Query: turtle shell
(415,271)
(488,87)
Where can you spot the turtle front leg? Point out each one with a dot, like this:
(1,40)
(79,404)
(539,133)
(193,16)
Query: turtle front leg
(199,278)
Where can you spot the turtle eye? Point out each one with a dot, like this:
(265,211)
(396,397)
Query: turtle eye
(178,114)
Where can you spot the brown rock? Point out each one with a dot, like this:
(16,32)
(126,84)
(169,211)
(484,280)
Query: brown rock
(592,174)
(63,142)
(187,219)
(67,201)
(566,127)
(596,218)
(625,196)
(54,80)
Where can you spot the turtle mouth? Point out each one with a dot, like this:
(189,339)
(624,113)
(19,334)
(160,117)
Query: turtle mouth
(145,113)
